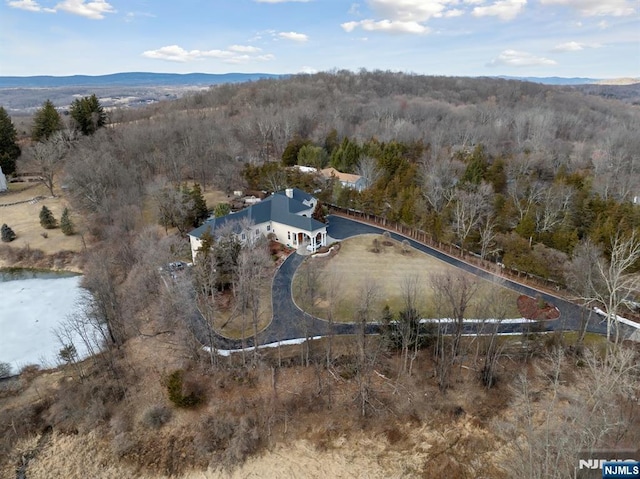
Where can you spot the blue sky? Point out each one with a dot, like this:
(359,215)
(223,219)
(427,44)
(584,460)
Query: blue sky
(592,38)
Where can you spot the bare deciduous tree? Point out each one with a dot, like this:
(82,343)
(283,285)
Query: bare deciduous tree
(488,237)
(453,292)
(309,292)
(367,168)
(369,292)
(332,282)
(205,278)
(554,205)
(438,182)
(409,321)
(252,270)
(47,158)
(524,194)
(582,278)
(470,207)
(610,282)
(556,419)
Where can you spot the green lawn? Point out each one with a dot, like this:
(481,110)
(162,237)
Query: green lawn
(356,264)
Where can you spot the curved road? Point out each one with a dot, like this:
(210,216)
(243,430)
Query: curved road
(290,322)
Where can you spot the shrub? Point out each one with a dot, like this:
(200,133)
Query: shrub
(66,225)
(5,370)
(183,394)
(47,220)
(245,442)
(214,434)
(7,234)
(156,416)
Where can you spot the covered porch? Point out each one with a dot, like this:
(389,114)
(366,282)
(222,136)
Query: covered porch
(316,239)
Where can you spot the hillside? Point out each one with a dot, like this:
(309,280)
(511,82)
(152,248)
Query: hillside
(535,178)
(23,95)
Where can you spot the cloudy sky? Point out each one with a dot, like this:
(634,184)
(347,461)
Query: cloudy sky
(592,38)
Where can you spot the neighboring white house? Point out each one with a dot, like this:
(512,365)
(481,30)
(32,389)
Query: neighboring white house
(3,181)
(348,180)
(285,214)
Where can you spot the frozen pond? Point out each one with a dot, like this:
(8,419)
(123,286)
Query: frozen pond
(32,305)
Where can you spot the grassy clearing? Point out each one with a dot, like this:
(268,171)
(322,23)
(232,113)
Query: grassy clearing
(25,222)
(388,269)
(230,323)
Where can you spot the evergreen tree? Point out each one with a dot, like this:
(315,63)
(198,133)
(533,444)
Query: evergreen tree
(222,209)
(207,242)
(7,234)
(200,211)
(88,114)
(477,166)
(66,225)
(47,220)
(9,149)
(46,122)
(290,153)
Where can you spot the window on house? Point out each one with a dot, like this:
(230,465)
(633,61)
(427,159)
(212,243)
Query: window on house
(244,237)
(268,227)
(288,235)
(257,232)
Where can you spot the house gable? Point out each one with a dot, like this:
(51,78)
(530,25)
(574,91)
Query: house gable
(284,213)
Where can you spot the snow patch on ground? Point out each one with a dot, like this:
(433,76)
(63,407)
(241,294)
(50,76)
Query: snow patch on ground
(620,319)
(287,342)
(30,310)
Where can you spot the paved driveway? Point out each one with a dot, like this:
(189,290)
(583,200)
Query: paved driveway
(289,322)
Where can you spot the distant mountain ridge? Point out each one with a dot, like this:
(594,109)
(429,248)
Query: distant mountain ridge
(132,79)
(204,79)
(555,80)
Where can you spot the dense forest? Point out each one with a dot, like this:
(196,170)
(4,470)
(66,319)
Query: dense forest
(542,179)
(511,170)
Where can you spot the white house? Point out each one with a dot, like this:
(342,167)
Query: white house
(285,214)
(348,180)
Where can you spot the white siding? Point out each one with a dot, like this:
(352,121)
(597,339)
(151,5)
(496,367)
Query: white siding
(195,246)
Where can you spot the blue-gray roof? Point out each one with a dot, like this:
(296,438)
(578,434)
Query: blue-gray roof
(277,207)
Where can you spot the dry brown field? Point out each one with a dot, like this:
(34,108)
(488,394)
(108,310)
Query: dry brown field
(356,264)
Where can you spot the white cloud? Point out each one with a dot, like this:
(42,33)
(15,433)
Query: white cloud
(590,8)
(308,70)
(131,16)
(404,16)
(515,58)
(354,9)
(94,10)
(29,5)
(388,26)
(244,49)
(294,36)
(175,53)
(409,10)
(574,46)
(568,47)
(455,12)
(503,9)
